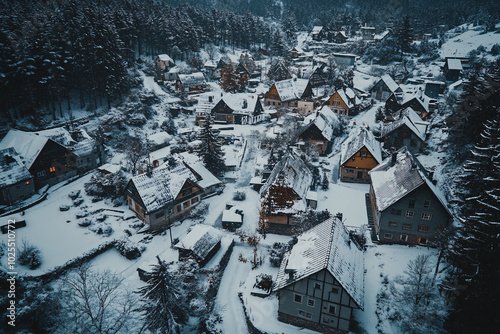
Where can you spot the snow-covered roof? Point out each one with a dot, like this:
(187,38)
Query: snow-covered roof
(454,64)
(111,168)
(162,186)
(165,57)
(205,178)
(160,138)
(312,195)
(230,215)
(27,145)
(191,80)
(210,63)
(291,89)
(12,170)
(59,135)
(411,119)
(316,29)
(393,181)
(381,36)
(391,84)
(83,148)
(290,172)
(325,246)
(410,97)
(325,120)
(237,102)
(356,141)
(347,55)
(200,240)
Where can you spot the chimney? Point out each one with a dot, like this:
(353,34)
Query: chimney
(245,104)
(211,98)
(149,170)
(394,157)
(339,216)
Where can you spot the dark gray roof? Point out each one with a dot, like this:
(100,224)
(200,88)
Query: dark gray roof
(200,240)
(325,246)
(12,170)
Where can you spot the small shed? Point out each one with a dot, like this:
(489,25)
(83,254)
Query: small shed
(232,217)
(200,244)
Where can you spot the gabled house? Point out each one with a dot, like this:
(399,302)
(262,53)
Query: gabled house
(338,37)
(409,130)
(418,104)
(321,280)
(319,130)
(318,76)
(407,208)
(163,63)
(238,109)
(161,195)
(283,196)
(279,71)
(47,161)
(295,52)
(368,33)
(344,102)
(452,69)
(382,36)
(16,182)
(360,153)
(287,93)
(384,87)
(434,88)
(191,83)
(200,244)
(318,33)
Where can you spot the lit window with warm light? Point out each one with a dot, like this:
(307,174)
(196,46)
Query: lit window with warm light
(27,182)
(52,169)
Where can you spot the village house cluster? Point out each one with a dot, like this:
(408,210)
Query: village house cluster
(320,281)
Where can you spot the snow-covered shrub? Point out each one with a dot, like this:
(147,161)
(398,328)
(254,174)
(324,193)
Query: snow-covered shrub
(106,186)
(495,50)
(276,254)
(101,217)
(74,194)
(239,196)
(77,201)
(102,228)
(64,207)
(3,247)
(30,255)
(200,211)
(129,249)
(168,126)
(81,214)
(264,281)
(84,222)
(136,120)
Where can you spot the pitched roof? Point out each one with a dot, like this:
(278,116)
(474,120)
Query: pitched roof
(325,120)
(291,89)
(162,186)
(316,29)
(292,173)
(12,170)
(165,57)
(393,181)
(390,83)
(191,80)
(411,119)
(410,98)
(200,240)
(454,64)
(358,139)
(237,102)
(325,246)
(27,145)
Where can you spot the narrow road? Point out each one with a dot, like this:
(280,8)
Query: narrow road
(248,166)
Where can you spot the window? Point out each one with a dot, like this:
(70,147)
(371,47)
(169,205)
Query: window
(310,302)
(297,298)
(308,315)
(393,224)
(195,200)
(179,209)
(41,173)
(407,226)
(27,182)
(302,313)
(335,290)
(396,212)
(326,320)
(160,214)
(52,169)
(185,205)
(427,203)
(363,153)
(387,235)
(423,228)
(426,215)
(317,286)
(332,309)
(411,203)
(409,214)
(403,237)
(423,241)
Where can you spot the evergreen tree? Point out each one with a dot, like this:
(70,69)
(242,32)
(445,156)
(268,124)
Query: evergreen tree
(475,250)
(210,150)
(229,79)
(163,305)
(404,36)
(325,184)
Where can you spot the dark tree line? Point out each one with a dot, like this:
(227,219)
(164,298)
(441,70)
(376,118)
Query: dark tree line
(53,52)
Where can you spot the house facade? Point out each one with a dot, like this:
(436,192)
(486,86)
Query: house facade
(384,87)
(319,132)
(238,109)
(16,183)
(320,281)
(409,130)
(161,195)
(283,196)
(287,93)
(163,63)
(406,206)
(191,83)
(344,102)
(200,244)
(360,154)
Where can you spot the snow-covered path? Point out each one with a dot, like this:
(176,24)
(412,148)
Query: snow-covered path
(228,302)
(248,164)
